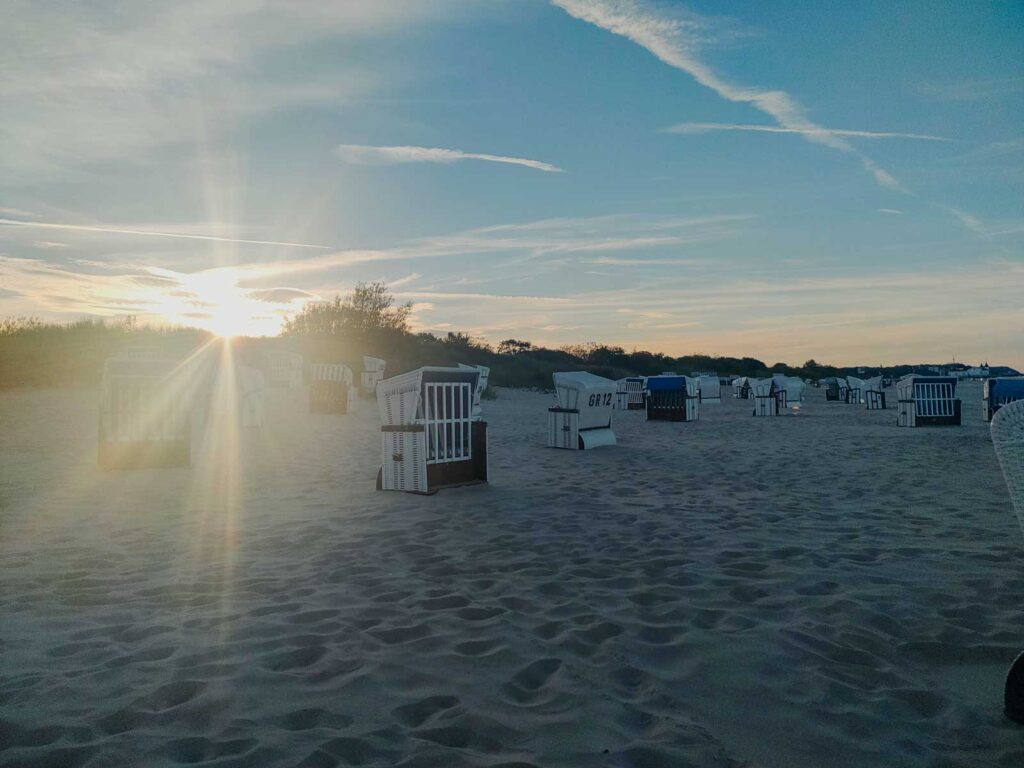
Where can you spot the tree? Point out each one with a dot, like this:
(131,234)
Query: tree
(371,307)
(513,347)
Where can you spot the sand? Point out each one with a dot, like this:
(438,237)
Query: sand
(824,589)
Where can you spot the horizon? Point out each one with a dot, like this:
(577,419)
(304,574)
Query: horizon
(785,183)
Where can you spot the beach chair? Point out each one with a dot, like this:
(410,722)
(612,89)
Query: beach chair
(144,419)
(630,393)
(769,399)
(429,436)
(582,418)
(741,388)
(251,386)
(874,394)
(330,388)
(998,392)
(481,387)
(791,388)
(854,390)
(709,389)
(831,385)
(1008,440)
(672,398)
(927,401)
(285,369)
(373,372)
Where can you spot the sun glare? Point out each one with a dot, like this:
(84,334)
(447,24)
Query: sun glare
(215,302)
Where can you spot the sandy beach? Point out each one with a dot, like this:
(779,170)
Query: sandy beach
(819,589)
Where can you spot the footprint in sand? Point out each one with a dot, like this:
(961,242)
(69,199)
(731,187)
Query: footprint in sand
(417,713)
(478,647)
(527,682)
(197,749)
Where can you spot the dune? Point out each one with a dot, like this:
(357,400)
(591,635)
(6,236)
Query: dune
(821,588)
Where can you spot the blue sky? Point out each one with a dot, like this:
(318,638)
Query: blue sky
(781,180)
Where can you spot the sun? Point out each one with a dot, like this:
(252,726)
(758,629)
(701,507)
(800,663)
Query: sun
(215,302)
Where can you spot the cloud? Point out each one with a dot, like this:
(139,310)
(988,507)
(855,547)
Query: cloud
(676,36)
(969,220)
(135,75)
(892,211)
(697,128)
(147,233)
(361,154)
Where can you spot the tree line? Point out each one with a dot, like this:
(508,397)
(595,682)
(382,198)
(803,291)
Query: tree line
(368,321)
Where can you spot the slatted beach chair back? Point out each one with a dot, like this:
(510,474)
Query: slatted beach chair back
(1008,441)
(331,372)
(935,398)
(448,418)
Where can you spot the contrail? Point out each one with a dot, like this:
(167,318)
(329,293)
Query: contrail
(145,233)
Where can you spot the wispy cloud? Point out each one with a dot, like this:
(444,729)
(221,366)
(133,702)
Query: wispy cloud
(147,233)
(362,154)
(969,220)
(891,211)
(697,128)
(677,36)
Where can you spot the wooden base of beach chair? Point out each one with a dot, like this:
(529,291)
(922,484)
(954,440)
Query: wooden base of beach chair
(406,469)
(330,397)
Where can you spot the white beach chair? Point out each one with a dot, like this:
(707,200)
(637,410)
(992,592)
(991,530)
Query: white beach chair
(710,389)
(768,398)
(582,419)
(630,393)
(330,388)
(372,373)
(927,401)
(144,415)
(285,369)
(1008,440)
(429,436)
(874,394)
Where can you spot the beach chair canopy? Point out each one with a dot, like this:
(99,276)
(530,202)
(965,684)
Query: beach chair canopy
(762,387)
(400,399)
(710,386)
(668,383)
(874,384)
(483,370)
(793,386)
(1011,388)
(331,372)
(593,396)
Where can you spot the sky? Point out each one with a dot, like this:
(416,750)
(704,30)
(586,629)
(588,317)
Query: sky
(781,180)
